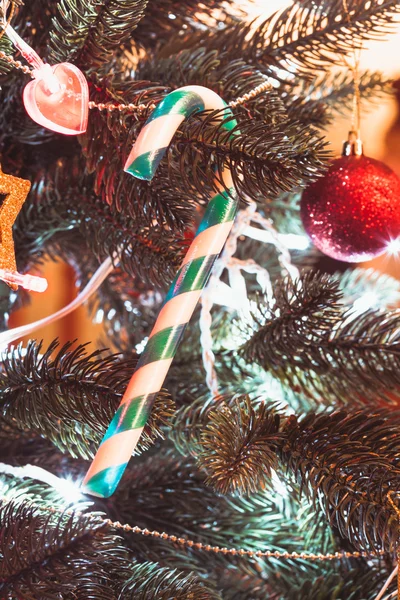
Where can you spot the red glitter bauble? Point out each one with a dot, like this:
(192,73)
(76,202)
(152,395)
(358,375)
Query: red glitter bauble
(353,212)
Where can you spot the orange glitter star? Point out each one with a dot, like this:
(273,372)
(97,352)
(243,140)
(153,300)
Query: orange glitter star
(16,191)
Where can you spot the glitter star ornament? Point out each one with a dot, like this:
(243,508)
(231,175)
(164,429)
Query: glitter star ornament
(13,192)
(353,212)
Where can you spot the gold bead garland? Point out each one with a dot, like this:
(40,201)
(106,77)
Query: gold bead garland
(110,107)
(188,543)
(259,89)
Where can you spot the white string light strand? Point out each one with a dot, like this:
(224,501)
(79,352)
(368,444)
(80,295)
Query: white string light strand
(6,337)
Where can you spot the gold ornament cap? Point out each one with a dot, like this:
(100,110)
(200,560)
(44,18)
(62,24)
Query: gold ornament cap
(353,146)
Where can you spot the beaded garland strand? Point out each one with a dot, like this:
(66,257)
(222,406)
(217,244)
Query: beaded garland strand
(138,108)
(259,89)
(191,544)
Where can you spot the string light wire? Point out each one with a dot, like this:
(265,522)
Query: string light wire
(110,107)
(103,271)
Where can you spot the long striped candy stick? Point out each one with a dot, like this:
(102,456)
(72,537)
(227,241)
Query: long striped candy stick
(127,425)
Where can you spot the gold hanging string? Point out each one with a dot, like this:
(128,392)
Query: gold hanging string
(10,16)
(356,117)
(355,69)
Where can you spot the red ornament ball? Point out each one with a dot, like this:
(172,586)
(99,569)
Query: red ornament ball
(353,212)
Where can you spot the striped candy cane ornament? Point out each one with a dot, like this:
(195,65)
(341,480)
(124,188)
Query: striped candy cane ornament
(127,425)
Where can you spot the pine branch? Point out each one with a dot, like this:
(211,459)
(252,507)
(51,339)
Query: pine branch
(128,310)
(166,21)
(46,213)
(312,343)
(239,446)
(149,579)
(359,583)
(7,47)
(367,288)
(230,78)
(189,422)
(19,488)
(270,154)
(52,556)
(331,582)
(235,376)
(125,305)
(87,33)
(318,101)
(39,12)
(190,507)
(144,485)
(30,448)
(338,465)
(63,218)
(16,127)
(153,254)
(79,390)
(265,158)
(230,376)
(62,537)
(347,463)
(309,37)
(106,146)
(168,484)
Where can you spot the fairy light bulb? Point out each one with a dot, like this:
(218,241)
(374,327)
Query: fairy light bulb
(28,282)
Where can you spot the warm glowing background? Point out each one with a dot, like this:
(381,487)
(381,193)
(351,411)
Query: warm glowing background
(381,135)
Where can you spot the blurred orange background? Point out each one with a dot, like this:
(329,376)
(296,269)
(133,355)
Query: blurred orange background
(381,135)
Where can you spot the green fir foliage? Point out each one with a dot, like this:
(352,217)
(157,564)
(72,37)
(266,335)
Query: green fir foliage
(88,33)
(67,386)
(310,341)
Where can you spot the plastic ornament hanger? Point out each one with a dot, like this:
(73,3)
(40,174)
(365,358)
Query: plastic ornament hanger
(58,96)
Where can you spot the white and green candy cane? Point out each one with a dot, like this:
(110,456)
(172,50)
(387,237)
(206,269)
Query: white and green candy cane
(127,425)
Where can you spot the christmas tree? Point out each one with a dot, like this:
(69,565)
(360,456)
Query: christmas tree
(268,466)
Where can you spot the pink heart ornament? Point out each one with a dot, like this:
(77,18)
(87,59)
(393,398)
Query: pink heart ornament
(58,98)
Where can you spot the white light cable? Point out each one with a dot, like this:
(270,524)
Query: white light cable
(387,583)
(68,488)
(6,337)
